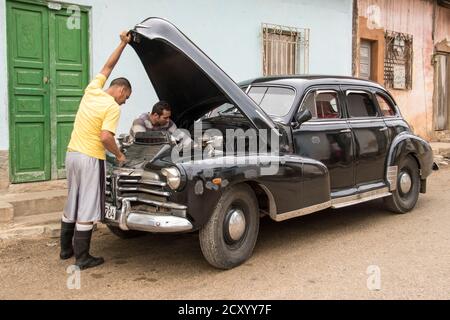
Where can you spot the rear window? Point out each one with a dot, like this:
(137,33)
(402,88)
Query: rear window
(273,100)
(360,104)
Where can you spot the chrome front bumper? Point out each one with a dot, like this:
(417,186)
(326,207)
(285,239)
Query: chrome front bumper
(150,222)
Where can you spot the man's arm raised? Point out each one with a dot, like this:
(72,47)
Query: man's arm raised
(125,38)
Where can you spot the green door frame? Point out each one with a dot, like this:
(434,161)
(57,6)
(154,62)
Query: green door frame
(57,118)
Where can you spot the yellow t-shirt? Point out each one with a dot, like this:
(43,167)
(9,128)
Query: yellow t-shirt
(97,111)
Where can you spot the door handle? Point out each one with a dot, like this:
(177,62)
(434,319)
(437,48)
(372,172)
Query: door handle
(345,131)
(46,80)
(383,129)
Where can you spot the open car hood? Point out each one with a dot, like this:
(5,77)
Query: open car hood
(186,77)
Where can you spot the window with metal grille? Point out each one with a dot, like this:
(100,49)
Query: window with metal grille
(398,60)
(285,50)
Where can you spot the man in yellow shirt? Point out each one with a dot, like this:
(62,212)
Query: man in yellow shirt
(93,132)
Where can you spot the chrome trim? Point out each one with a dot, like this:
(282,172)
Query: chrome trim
(169,205)
(141,189)
(236,224)
(302,212)
(124,214)
(317,92)
(142,221)
(320,121)
(391,177)
(364,119)
(108,193)
(147,182)
(360,197)
(153,223)
(140,25)
(347,92)
(405,182)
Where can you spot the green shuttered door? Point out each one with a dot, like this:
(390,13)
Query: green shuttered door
(48,67)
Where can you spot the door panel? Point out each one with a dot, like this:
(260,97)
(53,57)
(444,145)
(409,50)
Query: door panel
(326,139)
(371,135)
(69,76)
(28,93)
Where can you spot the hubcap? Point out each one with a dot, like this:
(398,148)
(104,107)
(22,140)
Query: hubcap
(405,182)
(236,224)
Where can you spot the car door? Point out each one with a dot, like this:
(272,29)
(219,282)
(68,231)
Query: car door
(327,136)
(371,135)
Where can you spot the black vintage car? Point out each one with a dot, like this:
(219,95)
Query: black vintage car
(322,142)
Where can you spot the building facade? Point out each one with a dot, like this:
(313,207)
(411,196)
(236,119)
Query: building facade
(405,46)
(50,50)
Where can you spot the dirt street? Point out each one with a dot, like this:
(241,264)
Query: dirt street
(335,254)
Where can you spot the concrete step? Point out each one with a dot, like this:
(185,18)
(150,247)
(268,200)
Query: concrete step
(6,212)
(35,203)
(47,224)
(37,186)
(44,225)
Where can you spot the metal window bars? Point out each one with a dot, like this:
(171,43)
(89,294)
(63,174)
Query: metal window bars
(285,50)
(398,60)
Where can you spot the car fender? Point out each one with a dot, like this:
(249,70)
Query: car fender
(404,144)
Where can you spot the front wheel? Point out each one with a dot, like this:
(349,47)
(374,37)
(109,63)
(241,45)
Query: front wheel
(228,239)
(405,197)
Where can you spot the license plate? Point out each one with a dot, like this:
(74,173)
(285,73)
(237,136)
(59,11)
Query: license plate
(110,212)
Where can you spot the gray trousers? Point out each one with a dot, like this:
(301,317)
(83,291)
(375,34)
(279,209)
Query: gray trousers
(86,184)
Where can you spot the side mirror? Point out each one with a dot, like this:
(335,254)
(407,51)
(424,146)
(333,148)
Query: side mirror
(303,116)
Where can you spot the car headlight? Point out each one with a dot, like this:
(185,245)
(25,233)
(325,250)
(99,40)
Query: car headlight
(173,176)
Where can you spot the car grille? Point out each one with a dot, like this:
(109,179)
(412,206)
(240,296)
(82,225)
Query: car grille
(136,187)
(145,194)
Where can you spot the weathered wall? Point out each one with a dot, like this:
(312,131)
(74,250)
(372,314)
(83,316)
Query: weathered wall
(414,17)
(442,24)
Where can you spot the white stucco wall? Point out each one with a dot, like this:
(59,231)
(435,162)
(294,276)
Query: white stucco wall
(228,31)
(4,136)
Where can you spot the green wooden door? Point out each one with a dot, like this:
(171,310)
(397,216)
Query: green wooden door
(29,98)
(48,67)
(69,75)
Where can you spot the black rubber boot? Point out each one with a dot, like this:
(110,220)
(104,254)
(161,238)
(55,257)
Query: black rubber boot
(81,246)
(67,230)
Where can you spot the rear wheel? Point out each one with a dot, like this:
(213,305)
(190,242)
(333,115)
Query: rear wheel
(405,197)
(228,239)
(125,234)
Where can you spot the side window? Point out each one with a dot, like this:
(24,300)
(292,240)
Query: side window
(387,109)
(323,105)
(326,105)
(360,104)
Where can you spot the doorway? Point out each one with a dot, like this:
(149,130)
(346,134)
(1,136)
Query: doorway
(48,68)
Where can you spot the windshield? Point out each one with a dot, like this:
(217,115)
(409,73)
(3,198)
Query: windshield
(274,101)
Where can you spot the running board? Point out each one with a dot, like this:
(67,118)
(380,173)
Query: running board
(335,204)
(360,197)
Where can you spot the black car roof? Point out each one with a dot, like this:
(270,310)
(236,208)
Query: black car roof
(309,80)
